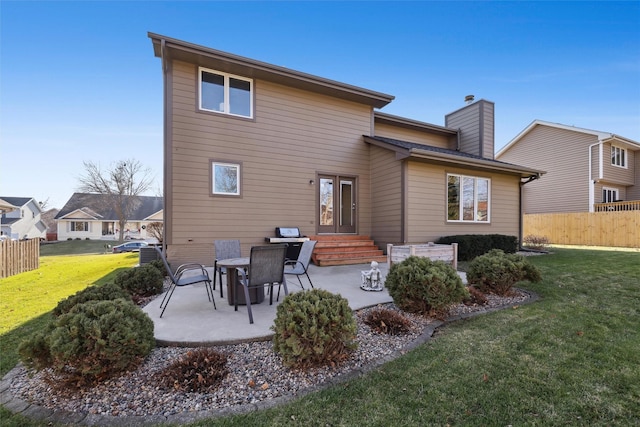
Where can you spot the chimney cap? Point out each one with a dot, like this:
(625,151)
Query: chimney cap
(469,99)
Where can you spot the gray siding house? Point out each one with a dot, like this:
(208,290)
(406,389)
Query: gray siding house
(587,170)
(250,146)
(23,220)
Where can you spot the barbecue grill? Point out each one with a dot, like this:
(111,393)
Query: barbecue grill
(291,236)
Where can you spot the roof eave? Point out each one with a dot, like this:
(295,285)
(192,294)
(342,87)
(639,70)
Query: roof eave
(226,62)
(413,124)
(475,163)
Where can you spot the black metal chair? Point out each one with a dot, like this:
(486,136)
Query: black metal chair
(195,273)
(225,249)
(301,265)
(266,268)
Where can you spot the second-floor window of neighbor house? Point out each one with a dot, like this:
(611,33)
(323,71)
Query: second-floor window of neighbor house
(79,226)
(225,93)
(225,179)
(618,156)
(468,198)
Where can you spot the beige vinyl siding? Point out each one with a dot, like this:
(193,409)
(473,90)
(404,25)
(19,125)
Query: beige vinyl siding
(617,174)
(386,197)
(564,155)
(633,191)
(488,141)
(411,135)
(294,136)
(475,122)
(427,199)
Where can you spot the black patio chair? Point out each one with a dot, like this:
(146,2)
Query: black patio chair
(195,273)
(266,268)
(301,265)
(225,249)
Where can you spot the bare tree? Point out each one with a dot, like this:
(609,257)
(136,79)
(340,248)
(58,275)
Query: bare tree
(122,184)
(156,229)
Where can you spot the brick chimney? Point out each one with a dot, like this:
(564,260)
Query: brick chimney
(475,124)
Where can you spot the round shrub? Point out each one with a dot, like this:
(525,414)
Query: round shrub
(108,291)
(200,370)
(157,263)
(497,272)
(93,341)
(314,328)
(419,285)
(143,281)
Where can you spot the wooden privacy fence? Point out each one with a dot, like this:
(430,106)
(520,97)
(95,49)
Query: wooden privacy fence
(619,229)
(18,256)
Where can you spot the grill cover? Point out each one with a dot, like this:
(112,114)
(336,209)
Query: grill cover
(287,232)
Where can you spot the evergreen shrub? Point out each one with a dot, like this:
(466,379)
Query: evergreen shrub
(314,328)
(143,281)
(92,342)
(108,291)
(471,246)
(496,272)
(420,285)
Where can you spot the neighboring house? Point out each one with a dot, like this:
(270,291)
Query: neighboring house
(251,146)
(585,168)
(25,221)
(90,216)
(49,218)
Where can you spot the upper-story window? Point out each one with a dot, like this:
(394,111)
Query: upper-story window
(225,93)
(468,198)
(618,156)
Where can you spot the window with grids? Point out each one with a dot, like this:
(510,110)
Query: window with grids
(618,156)
(225,93)
(609,195)
(79,226)
(468,198)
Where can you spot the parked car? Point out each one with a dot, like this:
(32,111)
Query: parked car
(129,247)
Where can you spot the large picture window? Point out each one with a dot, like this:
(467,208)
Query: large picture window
(225,178)
(79,226)
(225,93)
(468,198)
(618,156)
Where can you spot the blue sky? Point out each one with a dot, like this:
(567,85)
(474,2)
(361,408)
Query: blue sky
(79,82)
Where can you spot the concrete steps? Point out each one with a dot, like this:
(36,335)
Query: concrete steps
(345,249)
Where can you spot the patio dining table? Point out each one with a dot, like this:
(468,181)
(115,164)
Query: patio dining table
(233,283)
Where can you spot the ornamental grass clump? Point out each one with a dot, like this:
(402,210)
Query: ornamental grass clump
(92,342)
(385,321)
(419,285)
(314,328)
(496,272)
(200,370)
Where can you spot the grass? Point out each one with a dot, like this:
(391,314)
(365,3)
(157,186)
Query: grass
(569,359)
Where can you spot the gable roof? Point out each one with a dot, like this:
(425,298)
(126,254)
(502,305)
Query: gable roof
(169,48)
(17,201)
(405,149)
(97,206)
(602,136)
(6,206)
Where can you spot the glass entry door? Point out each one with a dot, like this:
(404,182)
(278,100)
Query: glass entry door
(337,202)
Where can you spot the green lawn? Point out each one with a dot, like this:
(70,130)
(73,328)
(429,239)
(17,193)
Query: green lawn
(571,358)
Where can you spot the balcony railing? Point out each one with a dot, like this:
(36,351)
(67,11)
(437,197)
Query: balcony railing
(629,205)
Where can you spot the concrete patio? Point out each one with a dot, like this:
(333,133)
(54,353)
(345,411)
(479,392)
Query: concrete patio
(190,319)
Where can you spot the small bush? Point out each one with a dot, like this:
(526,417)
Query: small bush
(314,328)
(497,272)
(387,321)
(159,264)
(143,281)
(108,291)
(419,285)
(92,342)
(199,370)
(539,243)
(476,297)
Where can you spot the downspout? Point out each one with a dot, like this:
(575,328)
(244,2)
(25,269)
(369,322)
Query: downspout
(521,225)
(166,215)
(592,182)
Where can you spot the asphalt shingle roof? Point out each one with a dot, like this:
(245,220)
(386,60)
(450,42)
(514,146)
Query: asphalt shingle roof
(98,204)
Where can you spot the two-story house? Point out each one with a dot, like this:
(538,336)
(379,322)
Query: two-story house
(23,221)
(250,146)
(92,216)
(587,170)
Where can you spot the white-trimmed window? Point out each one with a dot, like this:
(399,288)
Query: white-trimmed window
(79,226)
(225,178)
(225,93)
(618,156)
(468,198)
(609,195)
